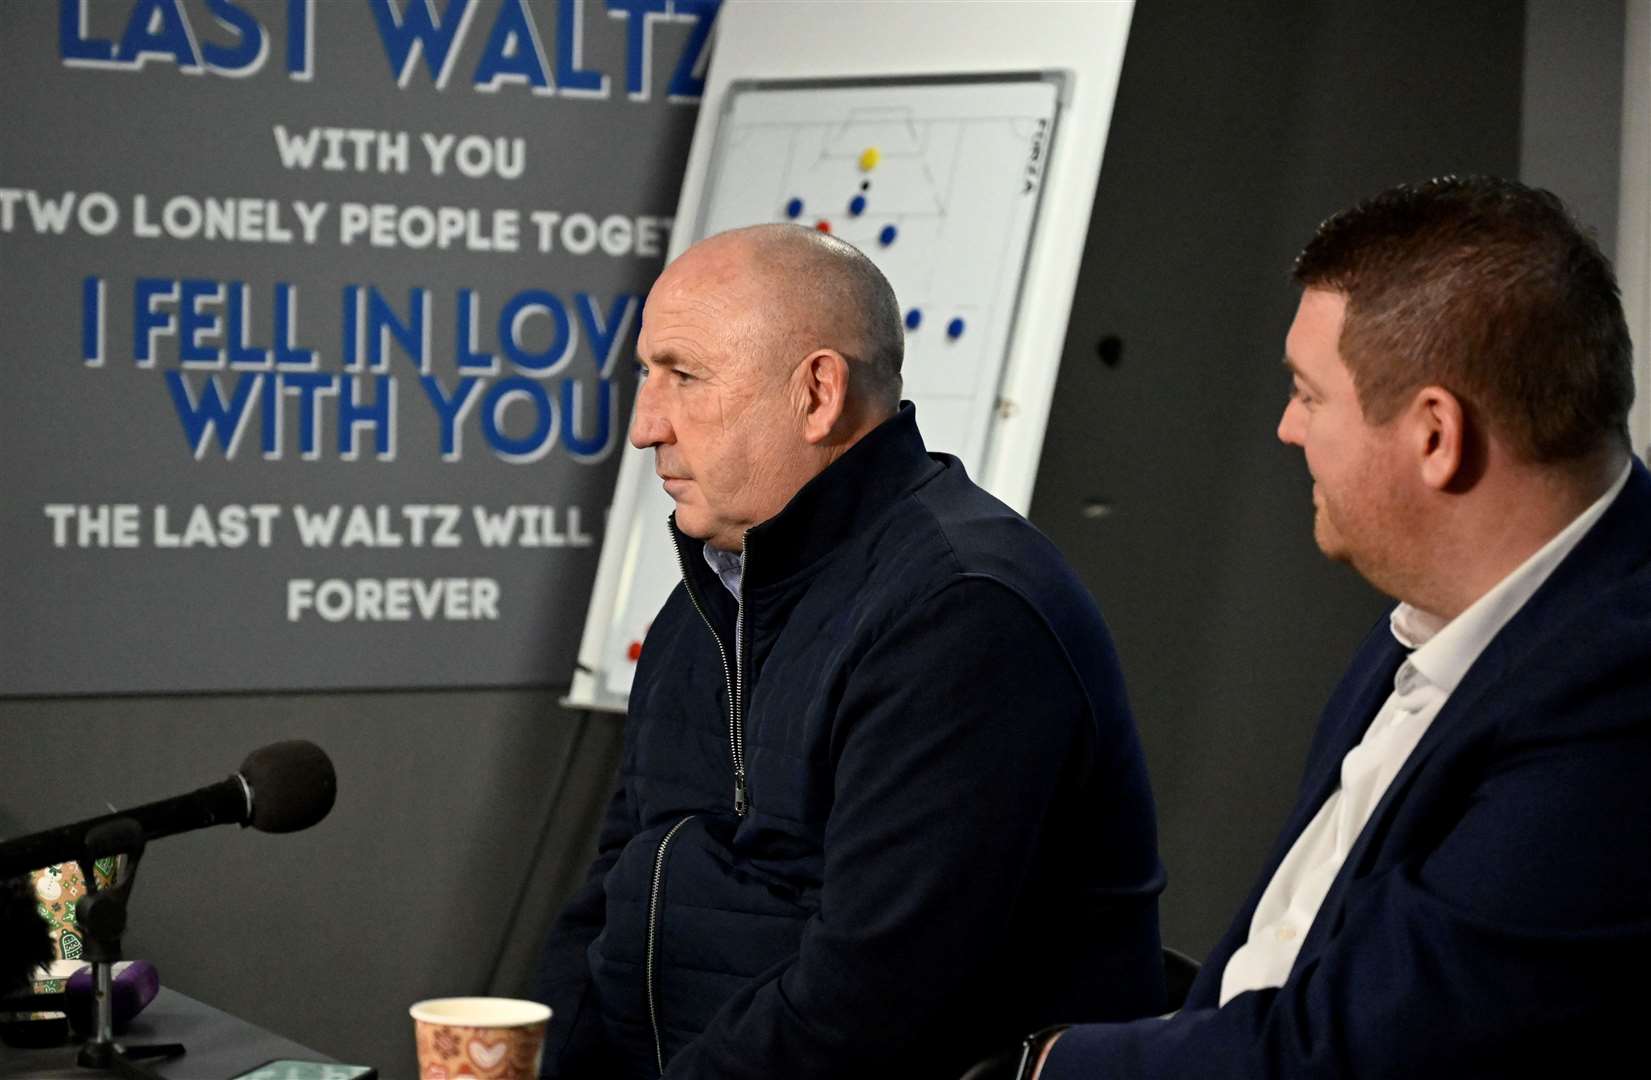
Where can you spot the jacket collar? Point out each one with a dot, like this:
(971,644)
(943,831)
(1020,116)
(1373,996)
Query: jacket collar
(1617,546)
(871,476)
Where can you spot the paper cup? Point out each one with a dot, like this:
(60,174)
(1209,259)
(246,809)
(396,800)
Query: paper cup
(480,1038)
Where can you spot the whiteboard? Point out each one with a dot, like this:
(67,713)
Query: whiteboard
(827,82)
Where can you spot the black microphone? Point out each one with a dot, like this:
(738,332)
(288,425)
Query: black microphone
(283,787)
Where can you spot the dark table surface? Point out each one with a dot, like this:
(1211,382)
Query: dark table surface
(219,1046)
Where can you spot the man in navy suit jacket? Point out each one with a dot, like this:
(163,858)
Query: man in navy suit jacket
(1464,886)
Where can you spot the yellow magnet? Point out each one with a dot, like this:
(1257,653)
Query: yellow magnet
(868,158)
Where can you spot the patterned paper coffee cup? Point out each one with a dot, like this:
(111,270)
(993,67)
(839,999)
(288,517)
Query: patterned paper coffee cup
(479,1038)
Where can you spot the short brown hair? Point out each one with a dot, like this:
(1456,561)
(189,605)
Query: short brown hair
(1490,289)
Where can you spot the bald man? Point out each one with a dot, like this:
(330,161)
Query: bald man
(881,788)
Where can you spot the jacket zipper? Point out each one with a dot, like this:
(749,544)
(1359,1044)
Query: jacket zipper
(736,737)
(736,747)
(653,937)
(735,676)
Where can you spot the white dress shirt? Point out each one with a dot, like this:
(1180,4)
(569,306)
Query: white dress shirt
(1443,653)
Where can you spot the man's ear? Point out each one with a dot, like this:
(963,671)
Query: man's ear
(1438,436)
(823,394)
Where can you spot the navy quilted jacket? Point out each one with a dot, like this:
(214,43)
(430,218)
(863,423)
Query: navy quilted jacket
(920,828)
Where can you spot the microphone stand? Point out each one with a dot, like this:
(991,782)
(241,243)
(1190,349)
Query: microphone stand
(101,915)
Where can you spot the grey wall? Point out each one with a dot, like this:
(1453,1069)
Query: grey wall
(1571,107)
(1237,128)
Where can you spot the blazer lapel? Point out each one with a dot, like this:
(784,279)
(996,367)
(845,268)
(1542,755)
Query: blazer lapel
(1341,725)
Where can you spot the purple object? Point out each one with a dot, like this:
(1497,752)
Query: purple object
(133,987)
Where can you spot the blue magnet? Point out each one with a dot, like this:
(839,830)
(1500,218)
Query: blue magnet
(954,329)
(857,205)
(794,208)
(914,319)
(886,237)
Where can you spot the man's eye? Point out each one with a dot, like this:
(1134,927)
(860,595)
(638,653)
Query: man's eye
(682,376)
(641,370)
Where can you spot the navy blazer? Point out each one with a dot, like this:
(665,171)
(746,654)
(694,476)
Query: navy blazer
(1494,916)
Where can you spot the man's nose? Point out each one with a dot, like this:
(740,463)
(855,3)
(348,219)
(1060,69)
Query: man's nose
(1289,425)
(648,424)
